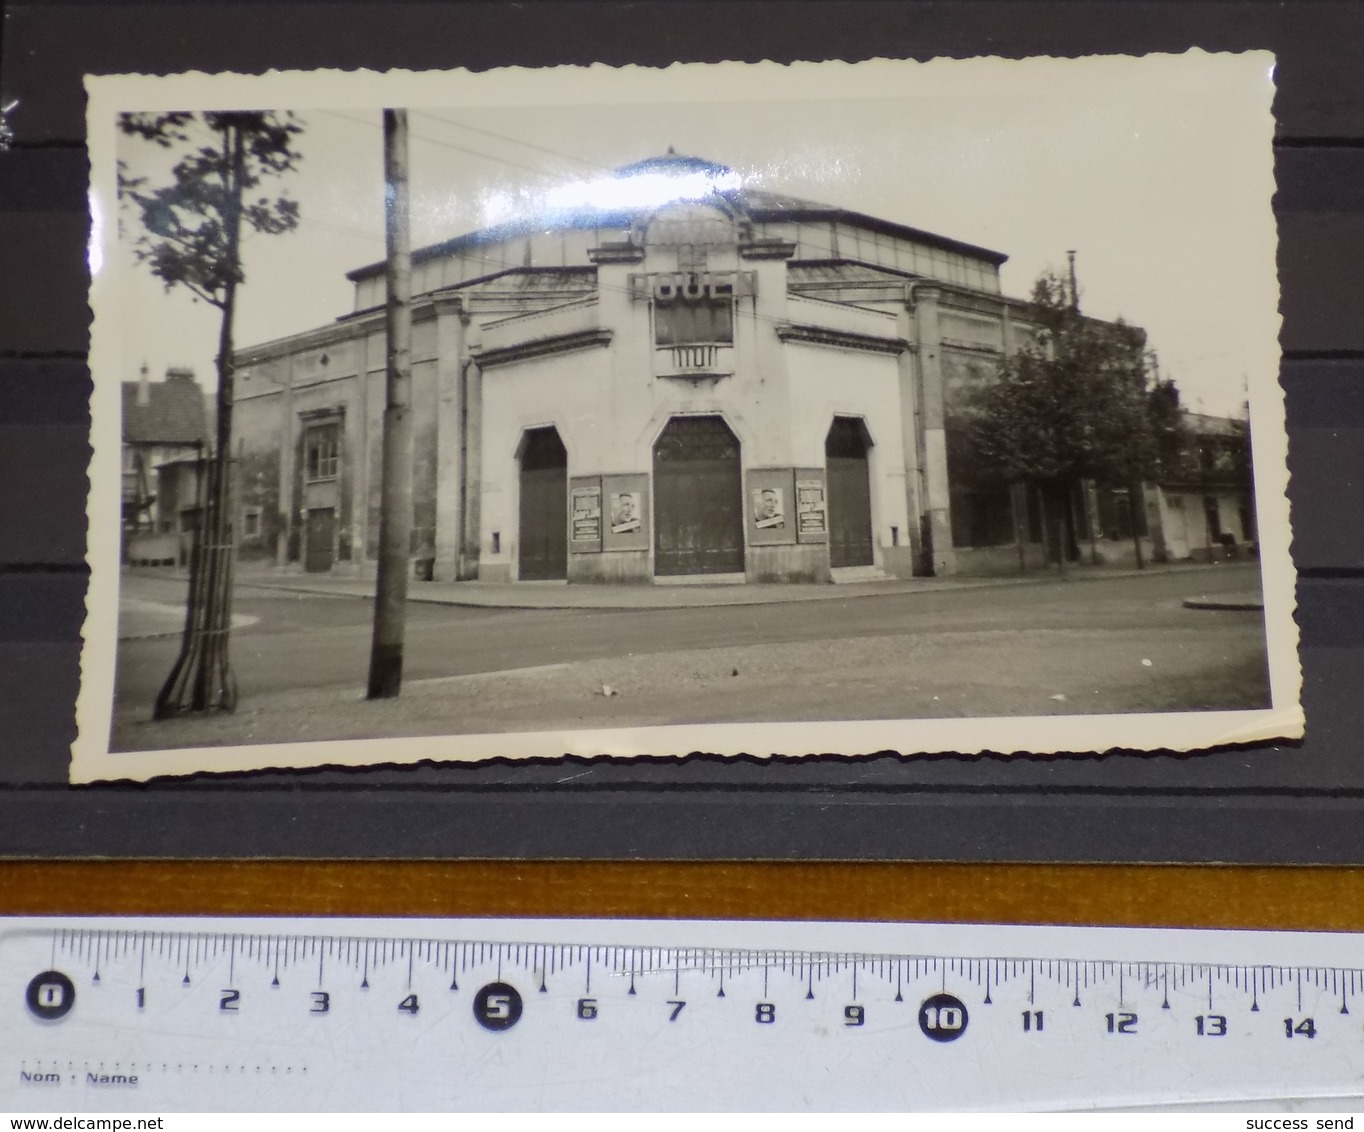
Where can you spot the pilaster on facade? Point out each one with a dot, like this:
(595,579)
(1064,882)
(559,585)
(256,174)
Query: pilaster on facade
(451,354)
(288,514)
(933,427)
(911,436)
(471,474)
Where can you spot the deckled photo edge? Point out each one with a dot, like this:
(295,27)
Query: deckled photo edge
(93,760)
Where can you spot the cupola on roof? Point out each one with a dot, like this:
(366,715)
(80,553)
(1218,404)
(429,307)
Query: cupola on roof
(673,163)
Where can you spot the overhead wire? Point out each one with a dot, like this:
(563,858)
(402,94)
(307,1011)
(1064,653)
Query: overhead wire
(514,141)
(826,251)
(444,144)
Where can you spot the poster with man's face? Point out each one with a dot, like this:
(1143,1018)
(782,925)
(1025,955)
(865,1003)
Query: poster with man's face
(769,508)
(625,512)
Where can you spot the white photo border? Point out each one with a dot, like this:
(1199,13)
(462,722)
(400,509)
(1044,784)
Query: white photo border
(92,759)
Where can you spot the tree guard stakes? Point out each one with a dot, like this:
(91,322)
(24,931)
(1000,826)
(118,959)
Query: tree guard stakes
(192,237)
(201,678)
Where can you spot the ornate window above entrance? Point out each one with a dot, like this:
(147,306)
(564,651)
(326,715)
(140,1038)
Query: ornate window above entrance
(693,308)
(696,438)
(692,316)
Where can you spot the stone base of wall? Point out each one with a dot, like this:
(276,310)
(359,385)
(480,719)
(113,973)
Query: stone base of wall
(449,567)
(801,563)
(1220,553)
(610,566)
(993,561)
(989,561)
(1118,552)
(153,550)
(900,561)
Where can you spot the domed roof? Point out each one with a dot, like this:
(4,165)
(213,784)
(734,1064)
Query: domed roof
(642,186)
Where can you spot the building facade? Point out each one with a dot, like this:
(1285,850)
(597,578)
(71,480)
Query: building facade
(165,429)
(1206,501)
(729,385)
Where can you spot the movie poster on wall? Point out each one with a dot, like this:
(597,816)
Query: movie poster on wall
(585,517)
(626,512)
(770,521)
(812,511)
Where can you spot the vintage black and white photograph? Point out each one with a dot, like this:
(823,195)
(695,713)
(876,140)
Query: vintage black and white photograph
(729,408)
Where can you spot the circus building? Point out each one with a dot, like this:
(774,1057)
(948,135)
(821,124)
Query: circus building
(733,385)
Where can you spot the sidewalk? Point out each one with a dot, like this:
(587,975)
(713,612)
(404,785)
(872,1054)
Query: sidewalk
(142,620)
(560,595)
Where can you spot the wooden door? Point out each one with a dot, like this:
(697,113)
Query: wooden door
(698,499)
(845,451)
(544,507)
(321,540)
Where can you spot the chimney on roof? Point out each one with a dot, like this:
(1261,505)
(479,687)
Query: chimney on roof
(144,391)
(179,373)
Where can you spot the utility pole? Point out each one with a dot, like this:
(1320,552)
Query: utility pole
(395,515)
(1074,287)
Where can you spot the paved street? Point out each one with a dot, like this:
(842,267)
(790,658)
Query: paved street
(1053,646)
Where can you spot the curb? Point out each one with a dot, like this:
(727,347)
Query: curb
(1247,604)
(156,636)
(835,592)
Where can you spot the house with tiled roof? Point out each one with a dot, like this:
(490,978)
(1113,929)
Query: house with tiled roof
(164,426)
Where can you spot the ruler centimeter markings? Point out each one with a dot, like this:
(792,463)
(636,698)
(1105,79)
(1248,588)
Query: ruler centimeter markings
(123,1018)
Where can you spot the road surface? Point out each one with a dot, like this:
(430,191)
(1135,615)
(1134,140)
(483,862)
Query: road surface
(1084,645)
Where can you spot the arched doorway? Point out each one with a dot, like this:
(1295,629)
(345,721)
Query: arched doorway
(544,506)
(845,453)
(698,499)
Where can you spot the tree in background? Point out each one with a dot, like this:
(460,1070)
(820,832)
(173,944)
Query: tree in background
(1072,404)
(191,234)
(1170,428)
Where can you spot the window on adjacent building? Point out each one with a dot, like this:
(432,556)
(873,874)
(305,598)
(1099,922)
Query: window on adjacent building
(251,524)
(322,450)
(692,308)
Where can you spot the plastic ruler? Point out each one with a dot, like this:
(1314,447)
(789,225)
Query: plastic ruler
(322,1015)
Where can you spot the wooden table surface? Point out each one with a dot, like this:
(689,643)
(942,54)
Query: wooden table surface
(1321,899)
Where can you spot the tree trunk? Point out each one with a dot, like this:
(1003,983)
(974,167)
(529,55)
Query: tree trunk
(1087,490)
(1068,546)
(1018,498)
(1138,503)
(1052,522)
(201,678)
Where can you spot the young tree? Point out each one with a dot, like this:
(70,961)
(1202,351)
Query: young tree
(1072,404)
(191,234)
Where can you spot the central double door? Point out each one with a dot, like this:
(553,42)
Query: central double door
(698,499)
(698,513)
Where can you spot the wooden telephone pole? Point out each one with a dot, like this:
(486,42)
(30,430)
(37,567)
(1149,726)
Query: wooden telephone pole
(395,515)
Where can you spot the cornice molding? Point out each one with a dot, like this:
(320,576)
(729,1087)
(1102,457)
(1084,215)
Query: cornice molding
(841,339)
(542,347)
